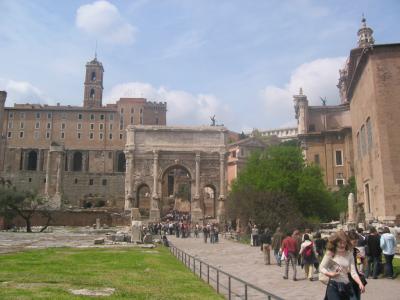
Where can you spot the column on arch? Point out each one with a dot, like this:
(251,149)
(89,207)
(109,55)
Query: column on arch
(129,183)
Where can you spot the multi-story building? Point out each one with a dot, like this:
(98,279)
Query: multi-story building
(284,134)
(362,132)
(73,154)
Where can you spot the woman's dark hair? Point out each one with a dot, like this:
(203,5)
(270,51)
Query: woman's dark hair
(386,229)
(353,235)
(334,240)
(306,237)
(317,235)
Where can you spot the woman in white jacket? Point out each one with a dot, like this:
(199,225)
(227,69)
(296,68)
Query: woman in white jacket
(388,246)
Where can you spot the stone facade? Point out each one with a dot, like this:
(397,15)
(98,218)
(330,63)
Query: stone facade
(366,123)
(74,155)
(152,151)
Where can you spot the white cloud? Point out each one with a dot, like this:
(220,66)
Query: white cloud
(317,78)
(103,20)
(188,41)
(22,92)
(183,108)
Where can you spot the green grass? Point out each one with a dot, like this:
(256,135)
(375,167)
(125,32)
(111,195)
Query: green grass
(135,273)
(396,266)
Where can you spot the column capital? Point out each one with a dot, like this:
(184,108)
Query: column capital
(197,157)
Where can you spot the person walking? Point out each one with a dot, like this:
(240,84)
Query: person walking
(265,242)
(320,245)
(354,239)
(205,233)
(388,246)
(337,263)
(309,256)
(254,236)
(374,253)
(289,249)
(276,245)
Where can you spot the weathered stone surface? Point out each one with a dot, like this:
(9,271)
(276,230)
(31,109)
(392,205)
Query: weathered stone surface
(148,239)
(97,292)
(99,241)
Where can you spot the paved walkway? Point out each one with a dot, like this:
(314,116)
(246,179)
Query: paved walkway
(247,263)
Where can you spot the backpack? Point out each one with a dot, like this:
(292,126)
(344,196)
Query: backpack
(308,251)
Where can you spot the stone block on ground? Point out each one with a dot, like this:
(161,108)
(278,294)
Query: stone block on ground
(99,241)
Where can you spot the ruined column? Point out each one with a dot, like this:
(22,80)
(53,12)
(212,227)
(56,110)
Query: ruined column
(154,210)
(58,183)
(221,200)
(350,207)
(128,179)
(195,207)
(39,157)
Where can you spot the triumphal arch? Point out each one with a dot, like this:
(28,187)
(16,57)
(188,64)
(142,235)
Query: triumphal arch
(168,164)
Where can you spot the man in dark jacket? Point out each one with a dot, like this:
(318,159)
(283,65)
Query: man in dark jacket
(265,241)
(276,245)
(374,253)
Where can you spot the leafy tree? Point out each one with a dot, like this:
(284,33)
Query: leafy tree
(22,203)
(340,196)
(281,173)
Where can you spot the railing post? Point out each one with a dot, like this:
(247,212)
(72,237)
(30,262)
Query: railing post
(200,269)
(229,287)
(245,292)
(194,265)
(217,281)
(208,273)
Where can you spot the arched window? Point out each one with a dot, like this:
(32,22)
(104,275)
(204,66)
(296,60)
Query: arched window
(92,93)
(121,162)
(77,162)
(93,76)
(32,160)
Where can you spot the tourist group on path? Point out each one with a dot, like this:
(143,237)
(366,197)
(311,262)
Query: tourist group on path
(343,260)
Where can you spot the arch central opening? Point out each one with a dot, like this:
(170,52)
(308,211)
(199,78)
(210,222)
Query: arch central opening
(176,191)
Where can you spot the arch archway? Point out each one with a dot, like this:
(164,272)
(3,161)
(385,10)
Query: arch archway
(209,201)
(32,160)
(77,162)
(143,198)
(176,189)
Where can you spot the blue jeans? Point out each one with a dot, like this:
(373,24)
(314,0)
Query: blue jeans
(339,291)
(388,265)
(277,257)
(372,266)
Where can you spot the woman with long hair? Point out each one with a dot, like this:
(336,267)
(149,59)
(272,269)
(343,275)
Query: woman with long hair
(337,264)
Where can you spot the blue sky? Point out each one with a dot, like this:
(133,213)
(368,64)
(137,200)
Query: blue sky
(240,60)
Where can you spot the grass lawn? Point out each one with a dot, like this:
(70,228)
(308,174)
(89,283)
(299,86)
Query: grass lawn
(396,266)
(134,273)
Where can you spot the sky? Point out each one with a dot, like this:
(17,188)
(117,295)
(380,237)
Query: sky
(241,61)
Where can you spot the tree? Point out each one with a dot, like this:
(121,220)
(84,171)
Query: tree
(281,173)
(22,203)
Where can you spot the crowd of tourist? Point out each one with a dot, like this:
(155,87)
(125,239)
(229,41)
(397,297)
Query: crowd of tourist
(344,260)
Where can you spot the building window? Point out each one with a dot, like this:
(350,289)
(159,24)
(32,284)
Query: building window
(63,115)
(76,180)
(11,115)
(111,117)
(101,117)
(49,115)
(62,135)
(316,159)
(93,76)
(339,157)
(121,136)
(100,136)
(121,162)
(21,125)
(79,136)
(32,160)
(110,154)
(369,133)
(121,124)
(92,117)
(90,181)
(91,126)
(339,182)
(21,134)
(101,126)
(79,126)
(111,126)
(311,128)
(122,110)
(47,135)
(9,135)
(62,126)
(91,135)
(80,116)
(91,94)
(104,182)
(36,135)
(132,110)
(22,115)
(77,162)
(37,125)
(48,125)
(30,179)
(10,124)
(131,120)
(363,142)
(110,136)
(38,115)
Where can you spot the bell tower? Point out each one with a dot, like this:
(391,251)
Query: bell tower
(93,92)
(365,38)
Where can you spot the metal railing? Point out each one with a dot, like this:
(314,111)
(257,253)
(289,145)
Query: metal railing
(223,282)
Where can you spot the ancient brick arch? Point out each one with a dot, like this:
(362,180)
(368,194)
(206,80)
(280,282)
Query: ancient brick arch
(153,150)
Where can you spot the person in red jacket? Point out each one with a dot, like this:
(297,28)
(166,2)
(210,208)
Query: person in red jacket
(289,249)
